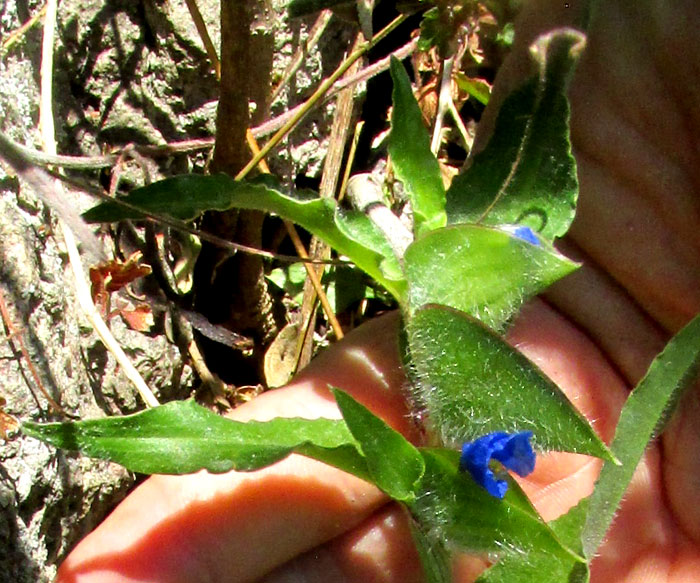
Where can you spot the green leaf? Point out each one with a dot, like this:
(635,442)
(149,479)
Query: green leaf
(453,509)
(471,382)
(434,556)
(477,88)
(357,227)
(433,33)
(527,174)
(506,36)
(485,272)
(181,437)
(186,197)
(351,287)
(395,465)
(545,567)
(413,162)
(290,278)
(539,567)
(568,527)
(642,418)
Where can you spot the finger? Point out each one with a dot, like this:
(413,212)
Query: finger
(237,526)
(680,446)
(638,167)
(644,544)
(240,526)
(633,128)
(581,370)
(559,482)
(598,305)
(379,550)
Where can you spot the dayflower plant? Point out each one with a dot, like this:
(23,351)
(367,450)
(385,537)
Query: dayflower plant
(512,450)
(479,250)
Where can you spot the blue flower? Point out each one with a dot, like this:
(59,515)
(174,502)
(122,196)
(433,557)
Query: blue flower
(512,450)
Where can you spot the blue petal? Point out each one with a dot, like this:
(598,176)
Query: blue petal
(512,450)
(485,478)
(516,453)
(527,234)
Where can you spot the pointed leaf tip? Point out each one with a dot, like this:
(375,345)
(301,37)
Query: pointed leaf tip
(472,382)
(527,174)
(413,162)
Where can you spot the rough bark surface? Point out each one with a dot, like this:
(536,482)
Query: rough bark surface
(124,72)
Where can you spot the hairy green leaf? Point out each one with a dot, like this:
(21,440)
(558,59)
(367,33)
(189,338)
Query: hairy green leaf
(433,554)
(186,197)
(181,437)
(485,272)
(568,527)
(413,162)
(356,226)
(394,464)
(471,382)
(545,567)
(527,174)
(642,418)
(452,509)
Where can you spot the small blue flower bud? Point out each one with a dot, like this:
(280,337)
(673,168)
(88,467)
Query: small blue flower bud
(527,234)
(512,450)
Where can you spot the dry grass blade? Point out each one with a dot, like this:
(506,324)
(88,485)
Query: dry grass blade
(81,287)
(329,183)
(204,35)
(299,246)
(15,36)
(317,95)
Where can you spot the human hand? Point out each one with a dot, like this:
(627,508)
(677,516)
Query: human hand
(635,118)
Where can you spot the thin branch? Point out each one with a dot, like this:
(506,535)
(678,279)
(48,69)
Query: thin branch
(40,158)
(15,36)
(85,187)
(372,70)
(154,151)
(444,101)
(42,185)
(365,193)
